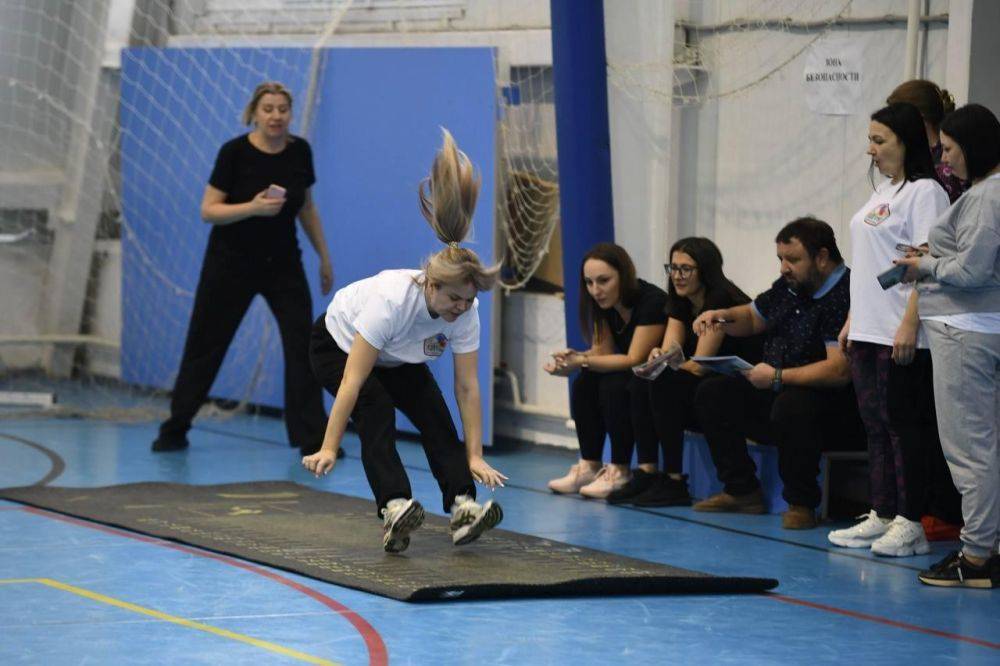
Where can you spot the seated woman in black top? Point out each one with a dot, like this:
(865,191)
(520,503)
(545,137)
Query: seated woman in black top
(695,283)
(623,318)
(252,250)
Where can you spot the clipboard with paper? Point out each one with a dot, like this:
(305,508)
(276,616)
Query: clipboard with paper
(726,365)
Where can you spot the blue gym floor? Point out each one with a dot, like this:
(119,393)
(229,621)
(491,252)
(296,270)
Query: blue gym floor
(76,592)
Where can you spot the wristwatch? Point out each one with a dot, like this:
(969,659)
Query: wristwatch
(776,381)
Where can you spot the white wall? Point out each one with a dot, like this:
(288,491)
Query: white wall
(756,159)
(640,50)
(533,327)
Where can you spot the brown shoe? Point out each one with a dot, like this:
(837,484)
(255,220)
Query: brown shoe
(726,503)
(798,518)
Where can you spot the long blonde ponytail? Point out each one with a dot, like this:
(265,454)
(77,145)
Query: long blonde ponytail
(448,200)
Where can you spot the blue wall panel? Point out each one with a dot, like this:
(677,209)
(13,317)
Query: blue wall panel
(376,127)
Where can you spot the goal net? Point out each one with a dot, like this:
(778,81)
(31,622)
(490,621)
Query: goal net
(94,200)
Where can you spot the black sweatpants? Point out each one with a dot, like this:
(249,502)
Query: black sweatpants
(918,411)
(412,389)
(226,288)
(801,422)
(615,404)
(671,401)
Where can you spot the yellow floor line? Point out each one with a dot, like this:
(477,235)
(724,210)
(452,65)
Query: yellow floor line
(190,624)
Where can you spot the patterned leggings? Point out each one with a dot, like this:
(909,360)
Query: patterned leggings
(896,404)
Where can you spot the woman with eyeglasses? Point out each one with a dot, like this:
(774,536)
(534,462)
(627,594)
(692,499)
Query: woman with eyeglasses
(695,283)
(622,317)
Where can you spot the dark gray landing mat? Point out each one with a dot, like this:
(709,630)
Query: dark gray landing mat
(338,539)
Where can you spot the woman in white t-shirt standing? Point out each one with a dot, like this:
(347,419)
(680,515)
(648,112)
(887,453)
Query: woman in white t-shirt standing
(371,349)
(890,361)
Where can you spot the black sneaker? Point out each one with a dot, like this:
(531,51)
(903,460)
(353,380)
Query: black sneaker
(955,571)
(169,443)
(665,491)
(640,481)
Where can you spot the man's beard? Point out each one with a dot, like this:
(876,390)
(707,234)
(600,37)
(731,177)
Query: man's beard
(809,286)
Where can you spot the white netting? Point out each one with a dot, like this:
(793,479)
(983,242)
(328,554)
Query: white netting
(721,48)
(528,210)
(62,226)
(736,37)
(63,222)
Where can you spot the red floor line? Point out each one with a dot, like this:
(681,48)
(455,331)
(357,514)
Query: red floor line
(883,620)
(377,653)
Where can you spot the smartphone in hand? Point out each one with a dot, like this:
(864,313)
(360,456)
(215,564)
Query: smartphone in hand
(275,192)
(892,277)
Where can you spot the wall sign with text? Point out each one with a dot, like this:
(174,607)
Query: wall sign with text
(833,76)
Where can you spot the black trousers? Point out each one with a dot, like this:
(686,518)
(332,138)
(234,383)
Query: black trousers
(671,401)
(801,422)
(615,404)
(412,389)
(914,411)
(226,288)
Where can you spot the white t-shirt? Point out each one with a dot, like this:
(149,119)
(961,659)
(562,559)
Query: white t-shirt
(977,322)
(390,312)
(891,216)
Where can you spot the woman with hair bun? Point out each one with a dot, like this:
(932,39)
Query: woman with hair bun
(934,104)
(371,349)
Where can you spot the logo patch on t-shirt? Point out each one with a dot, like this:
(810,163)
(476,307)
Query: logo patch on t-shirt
(434,345)
(878,215)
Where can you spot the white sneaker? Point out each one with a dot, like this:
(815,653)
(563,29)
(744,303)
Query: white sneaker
(470,519)
(903,539)
(608,480)
(863,534)
(578,476)
(399,518)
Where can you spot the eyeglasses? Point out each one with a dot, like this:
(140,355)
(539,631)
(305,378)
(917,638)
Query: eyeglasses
(684,270)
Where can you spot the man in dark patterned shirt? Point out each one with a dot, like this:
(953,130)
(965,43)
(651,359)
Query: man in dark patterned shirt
(799,398)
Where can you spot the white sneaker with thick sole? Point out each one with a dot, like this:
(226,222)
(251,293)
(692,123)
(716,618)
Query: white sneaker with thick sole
(470,519)
(862,535)
(399,518)
(903,539)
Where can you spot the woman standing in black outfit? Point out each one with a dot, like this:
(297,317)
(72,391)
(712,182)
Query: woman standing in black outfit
(253,250)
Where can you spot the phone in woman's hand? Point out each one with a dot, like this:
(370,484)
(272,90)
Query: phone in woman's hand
(911,250)
(275,192)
